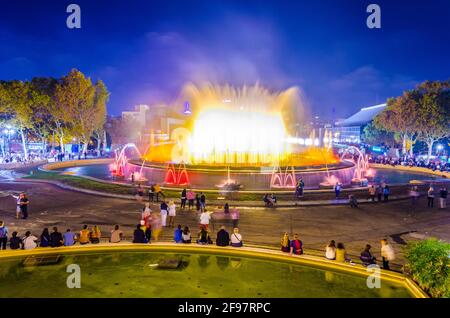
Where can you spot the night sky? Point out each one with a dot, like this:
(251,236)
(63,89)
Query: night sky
(146,50)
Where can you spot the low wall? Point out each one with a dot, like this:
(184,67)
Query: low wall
(252,252)
(19,165)
(412,169)
(75,163)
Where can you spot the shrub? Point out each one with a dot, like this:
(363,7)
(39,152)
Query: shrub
(428,263)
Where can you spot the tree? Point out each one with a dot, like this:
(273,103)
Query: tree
(100,100)
(42,90)
(16,101)
(373,135)
(84,105)
(399,117)
(432,102)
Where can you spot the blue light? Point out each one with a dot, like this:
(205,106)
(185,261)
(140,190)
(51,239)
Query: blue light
(376,149)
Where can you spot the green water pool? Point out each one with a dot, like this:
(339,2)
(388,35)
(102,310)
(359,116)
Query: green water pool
(135,274)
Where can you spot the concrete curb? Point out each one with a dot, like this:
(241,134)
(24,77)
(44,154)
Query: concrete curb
(253,204)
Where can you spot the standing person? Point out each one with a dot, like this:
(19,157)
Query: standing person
(151,193)
(414,195)
(159,192)
(69,238)
(372,193)
(430,197)
(285,243)
(235,217)
(183,199)
(443,198)
(56,238)
(146,213)
(15,242)
(296,246)
(337,189)
(386,192)
(223,238)
(178,234)
(164,207)
(387,253)
(116,235)
(236,238)
(29,242)
(226,208)
(18,210)
(45,238)
(172,213)
(84,235)
(379,192)
(140,193)
(3,235)
(202,201)
(330,250)
(24,205)
(197,202)
(96,234)
(204,220)
(156,227)
(190,197)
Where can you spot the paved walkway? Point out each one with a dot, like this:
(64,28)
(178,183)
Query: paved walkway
(51,206)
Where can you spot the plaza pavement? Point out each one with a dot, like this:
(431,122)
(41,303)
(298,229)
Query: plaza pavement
(399,221)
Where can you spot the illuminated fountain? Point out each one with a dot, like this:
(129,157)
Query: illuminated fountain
(362,170)
(234,138)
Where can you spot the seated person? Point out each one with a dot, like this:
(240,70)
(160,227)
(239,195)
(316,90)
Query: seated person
(203,237)
(178,235)
(366,257)
(186,235)
(352,200)
(223,238)
(267,200)
(273,199)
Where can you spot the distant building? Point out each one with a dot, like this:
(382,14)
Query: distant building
(350,130)
(139,114)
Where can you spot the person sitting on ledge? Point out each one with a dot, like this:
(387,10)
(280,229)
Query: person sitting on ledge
(203,237)
(177,236)
(223,238)
(236,238)
(366,257)
(330,251)
(15,242)
(186,235)
(138,235)
(296,246)
(285,245)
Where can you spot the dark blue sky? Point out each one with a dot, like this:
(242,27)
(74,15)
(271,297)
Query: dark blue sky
(146,50)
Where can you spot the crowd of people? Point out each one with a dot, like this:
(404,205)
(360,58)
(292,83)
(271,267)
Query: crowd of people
(412,161)
(337,252)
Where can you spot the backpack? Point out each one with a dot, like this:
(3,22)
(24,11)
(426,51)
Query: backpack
(3,232)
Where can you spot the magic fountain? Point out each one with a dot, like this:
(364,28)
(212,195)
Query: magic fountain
(239,138)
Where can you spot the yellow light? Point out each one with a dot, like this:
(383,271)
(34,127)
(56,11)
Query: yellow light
(237,137)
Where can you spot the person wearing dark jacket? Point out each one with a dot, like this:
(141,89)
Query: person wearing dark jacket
(139,235)
(223,238)
(366,257)
(56,238)
(15,242)
(45,238)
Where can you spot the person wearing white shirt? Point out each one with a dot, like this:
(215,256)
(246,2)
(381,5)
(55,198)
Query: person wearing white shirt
(387,253)
(204,219)
(29,241)
(236,238)
(330,251)
(172,213)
